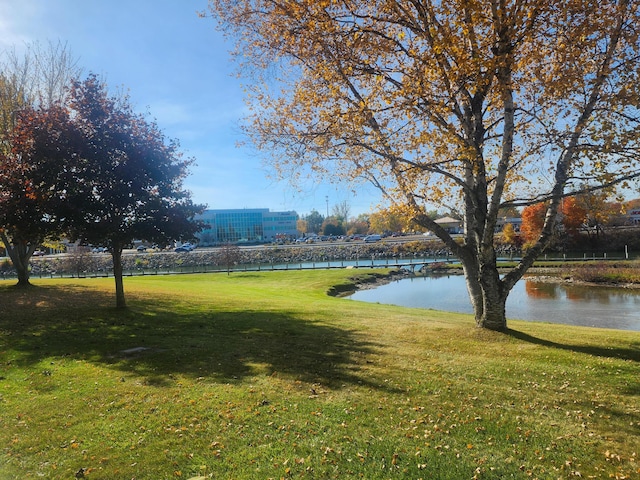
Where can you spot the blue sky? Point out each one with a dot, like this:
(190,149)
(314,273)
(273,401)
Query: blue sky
(176,66)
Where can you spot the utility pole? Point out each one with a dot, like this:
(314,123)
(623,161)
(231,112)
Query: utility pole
(326,197)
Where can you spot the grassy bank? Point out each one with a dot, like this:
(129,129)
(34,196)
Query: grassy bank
(262,375)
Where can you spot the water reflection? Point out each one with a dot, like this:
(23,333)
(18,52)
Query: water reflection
(529,300)
(540,290)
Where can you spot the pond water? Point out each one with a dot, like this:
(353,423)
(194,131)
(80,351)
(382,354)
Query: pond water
(533,300)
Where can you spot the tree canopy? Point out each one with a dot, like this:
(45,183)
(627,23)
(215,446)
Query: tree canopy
(93,169)
(387,221)
(533,222)
(34,146)
(477,105)
(129,178)
(31,182)
(314,221)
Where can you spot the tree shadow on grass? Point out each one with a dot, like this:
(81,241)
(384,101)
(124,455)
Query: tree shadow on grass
(155,339)
(632,353)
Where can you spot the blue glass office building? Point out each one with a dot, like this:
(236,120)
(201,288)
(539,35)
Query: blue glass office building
(246,226)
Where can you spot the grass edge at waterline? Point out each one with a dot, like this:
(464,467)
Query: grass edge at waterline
(263,375)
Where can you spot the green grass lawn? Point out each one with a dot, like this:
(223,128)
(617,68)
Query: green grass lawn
(263,375)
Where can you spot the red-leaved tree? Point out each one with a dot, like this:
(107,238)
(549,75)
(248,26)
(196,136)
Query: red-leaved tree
(96,171)
(36,177)
(129,180)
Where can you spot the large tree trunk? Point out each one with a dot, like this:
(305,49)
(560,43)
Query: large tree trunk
(487,293)
(19,253)
(23,275)
(116,255)
(493,315)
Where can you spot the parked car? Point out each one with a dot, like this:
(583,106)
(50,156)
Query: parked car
(372,238)
(182,249)
(141,248)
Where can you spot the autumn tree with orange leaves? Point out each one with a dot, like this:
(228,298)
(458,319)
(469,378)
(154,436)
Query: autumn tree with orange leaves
(580,214)
(570,221)
(574,216)
(478,105)
(600,210)
(532,223)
